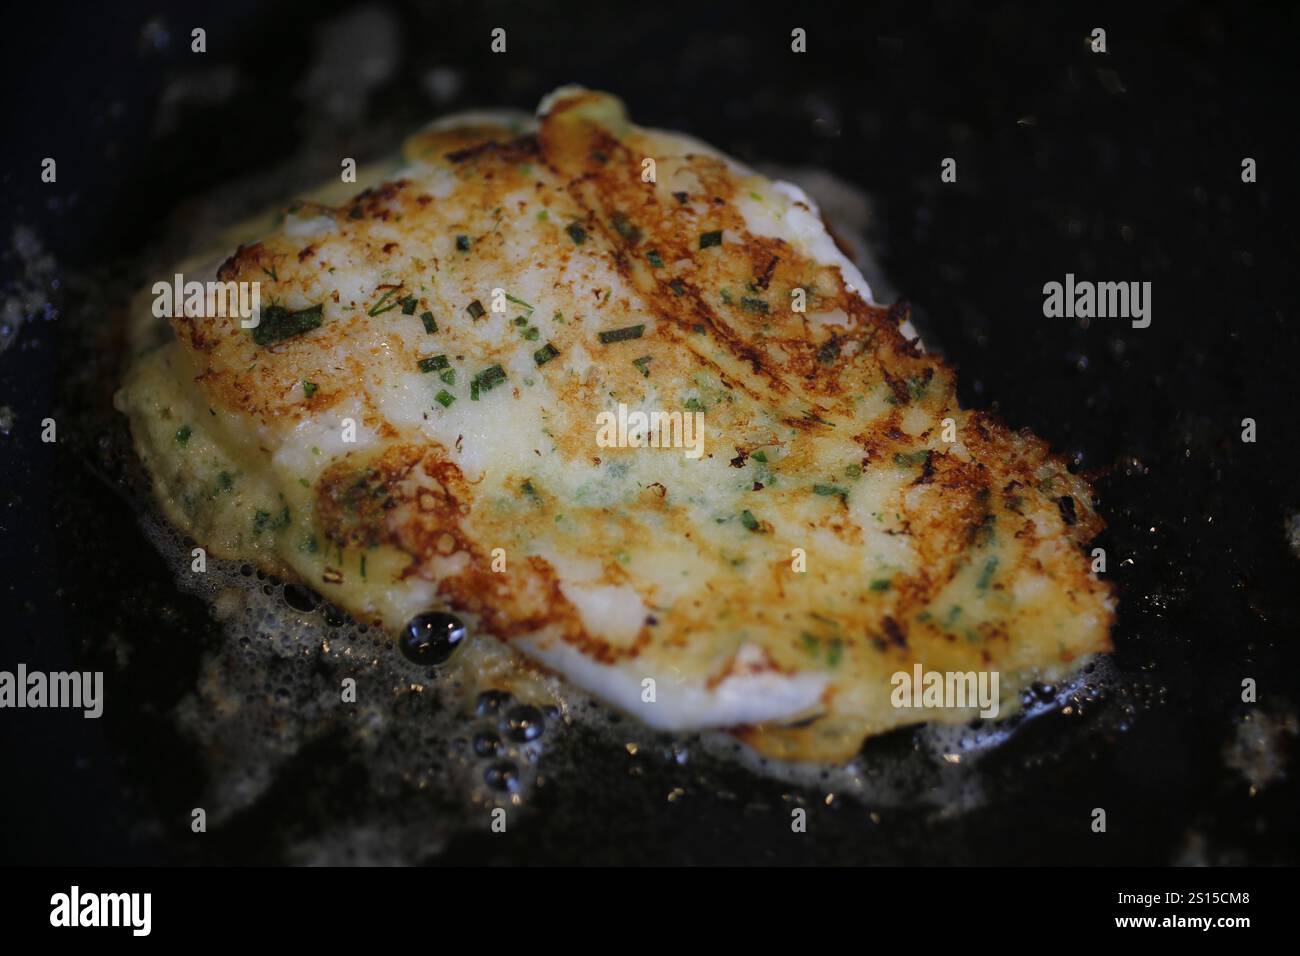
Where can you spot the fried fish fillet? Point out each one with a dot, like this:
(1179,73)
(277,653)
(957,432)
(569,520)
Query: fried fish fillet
(415,424)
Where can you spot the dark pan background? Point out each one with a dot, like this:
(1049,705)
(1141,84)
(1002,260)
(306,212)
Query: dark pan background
(1132,174)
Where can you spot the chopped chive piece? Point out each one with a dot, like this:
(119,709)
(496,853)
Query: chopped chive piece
(748,520)
(625,228)
(265,521)
(531,333)
(682,197)
(912,458)
(653,258)
(543,216)
(475,309)
(853,471)
(433,363)
(444,398)
(545,354)
(377,308)
(520,320)
(986,575)
(827,490)
(834,652)
(558,317)
(355,213)
(408,305)
(486,380)
(710,238)
(759,456)
(880,584)
(309,388)
(693,405)
(183,434)
(725,295)
(757,306)
(678,287)
(528,489)
(278,323)
(526,305)
(829,351)
(430,325)
(462,243)
(448,376)
(643,363)
(576,233)
(621,335)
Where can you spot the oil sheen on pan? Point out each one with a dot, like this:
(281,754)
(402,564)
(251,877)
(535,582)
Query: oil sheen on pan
(452,398)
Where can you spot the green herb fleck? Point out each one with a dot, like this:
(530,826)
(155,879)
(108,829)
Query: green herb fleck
(486,380)
(183,435)
(444,398)
(408,305)
(610,336)
(309,388)
(834,652)
(748,520)
(912,459)
(880,584)
(643,363)
(379,308)
(433,363)
(545,354)
(757,306)
(986,576)
(430,325)
(278,323)
(708,239)
(476,310)
(625,228)
(576,233)
(265,521)
(653,258)
(462,243)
